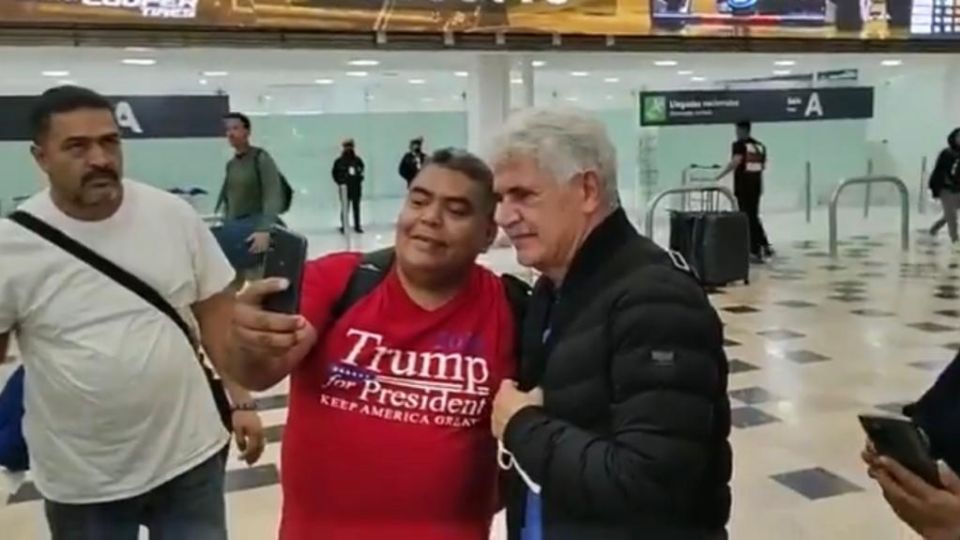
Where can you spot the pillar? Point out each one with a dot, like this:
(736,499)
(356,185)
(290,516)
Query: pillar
(529,83)
(488,99)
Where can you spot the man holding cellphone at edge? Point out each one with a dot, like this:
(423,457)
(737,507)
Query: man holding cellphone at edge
(120,423)
(932,512)
(388,434)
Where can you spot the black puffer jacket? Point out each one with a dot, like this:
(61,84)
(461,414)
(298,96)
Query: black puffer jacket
(632,440)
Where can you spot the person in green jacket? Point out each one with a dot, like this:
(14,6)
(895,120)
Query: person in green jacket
(252,188)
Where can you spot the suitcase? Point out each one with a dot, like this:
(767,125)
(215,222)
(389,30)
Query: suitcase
(716,245)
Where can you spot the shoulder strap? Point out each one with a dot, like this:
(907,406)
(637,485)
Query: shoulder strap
(257,154)
(369,273)
(106,267)
(518,295)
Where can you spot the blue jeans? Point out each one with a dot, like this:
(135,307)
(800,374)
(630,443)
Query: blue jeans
(191,506)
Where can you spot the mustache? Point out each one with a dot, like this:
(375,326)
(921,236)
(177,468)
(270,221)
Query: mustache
(100,173)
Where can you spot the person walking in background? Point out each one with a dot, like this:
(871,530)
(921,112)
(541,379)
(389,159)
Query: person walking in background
(945,185)
(252,198)
(618,425)
(413,161)
(348,171)
(120,422)
(747,165)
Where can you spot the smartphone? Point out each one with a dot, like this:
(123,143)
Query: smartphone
(285,259)
(904,441)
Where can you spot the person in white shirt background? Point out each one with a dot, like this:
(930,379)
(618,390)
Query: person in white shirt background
(120,421)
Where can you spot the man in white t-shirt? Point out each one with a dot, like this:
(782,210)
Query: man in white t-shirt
(120,421)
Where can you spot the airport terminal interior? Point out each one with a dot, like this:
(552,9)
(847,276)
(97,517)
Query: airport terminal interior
(821,333)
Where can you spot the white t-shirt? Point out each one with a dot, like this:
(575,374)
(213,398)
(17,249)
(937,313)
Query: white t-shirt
(116,402)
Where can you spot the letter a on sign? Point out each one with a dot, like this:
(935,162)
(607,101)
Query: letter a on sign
(814,106)
(126,118)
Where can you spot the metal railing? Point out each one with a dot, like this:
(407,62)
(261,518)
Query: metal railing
(808,191)
(869,181)
(683,190)
(922,191)
(868,190)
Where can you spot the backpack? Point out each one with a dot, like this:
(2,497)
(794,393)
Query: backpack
(375,265)
(285,189)
(13,447)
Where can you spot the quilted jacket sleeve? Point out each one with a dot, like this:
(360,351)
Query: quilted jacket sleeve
(669,416)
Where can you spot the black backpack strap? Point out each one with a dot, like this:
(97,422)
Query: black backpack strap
(106,267)
(518,295)
(369,273)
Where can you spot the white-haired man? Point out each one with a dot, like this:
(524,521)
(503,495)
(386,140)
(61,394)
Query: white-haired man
(619,421)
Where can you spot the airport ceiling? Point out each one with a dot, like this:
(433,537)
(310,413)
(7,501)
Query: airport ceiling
(202,70)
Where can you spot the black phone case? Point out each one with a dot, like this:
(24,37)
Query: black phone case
(285,259)
(900,439)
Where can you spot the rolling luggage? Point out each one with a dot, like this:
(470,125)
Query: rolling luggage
(715,244)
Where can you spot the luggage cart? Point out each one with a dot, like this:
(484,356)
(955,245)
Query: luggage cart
(700,175)
(192,195)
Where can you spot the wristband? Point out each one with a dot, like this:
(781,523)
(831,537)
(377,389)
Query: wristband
(248,406)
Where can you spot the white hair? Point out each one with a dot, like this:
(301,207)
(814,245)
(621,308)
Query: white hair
(564,142)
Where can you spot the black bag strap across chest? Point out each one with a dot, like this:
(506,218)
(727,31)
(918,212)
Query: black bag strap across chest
(106,267)
(375,265)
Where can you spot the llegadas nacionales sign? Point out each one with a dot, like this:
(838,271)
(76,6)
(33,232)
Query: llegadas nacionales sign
(692,107)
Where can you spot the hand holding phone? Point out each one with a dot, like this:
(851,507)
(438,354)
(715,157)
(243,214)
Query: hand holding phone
(901,440)
(285,259)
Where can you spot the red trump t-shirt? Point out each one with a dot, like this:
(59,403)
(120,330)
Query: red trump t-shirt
(388,433)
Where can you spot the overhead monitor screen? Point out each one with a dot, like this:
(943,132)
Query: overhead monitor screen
(935,18)
(814,19)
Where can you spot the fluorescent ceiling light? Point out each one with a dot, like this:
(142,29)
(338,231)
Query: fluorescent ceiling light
(782,72)
(892,62)
(573,98)
(785,63)
(137,49)
(215,73)
(323,81)
(364,63)
(56,73)
(139,61)
(357,74)
(203,82)
(516,80)
(462,73)
(685,72)
(665,63)
(612,80)
(538,63)
(579,73)
(698,79)
(417,81)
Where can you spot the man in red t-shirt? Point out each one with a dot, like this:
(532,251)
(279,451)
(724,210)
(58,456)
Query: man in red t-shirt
(388,434)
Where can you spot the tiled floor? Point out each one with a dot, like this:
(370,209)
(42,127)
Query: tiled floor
(812,341)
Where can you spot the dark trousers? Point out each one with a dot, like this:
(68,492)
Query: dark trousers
(191,506)
(748,198)
(353,193)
